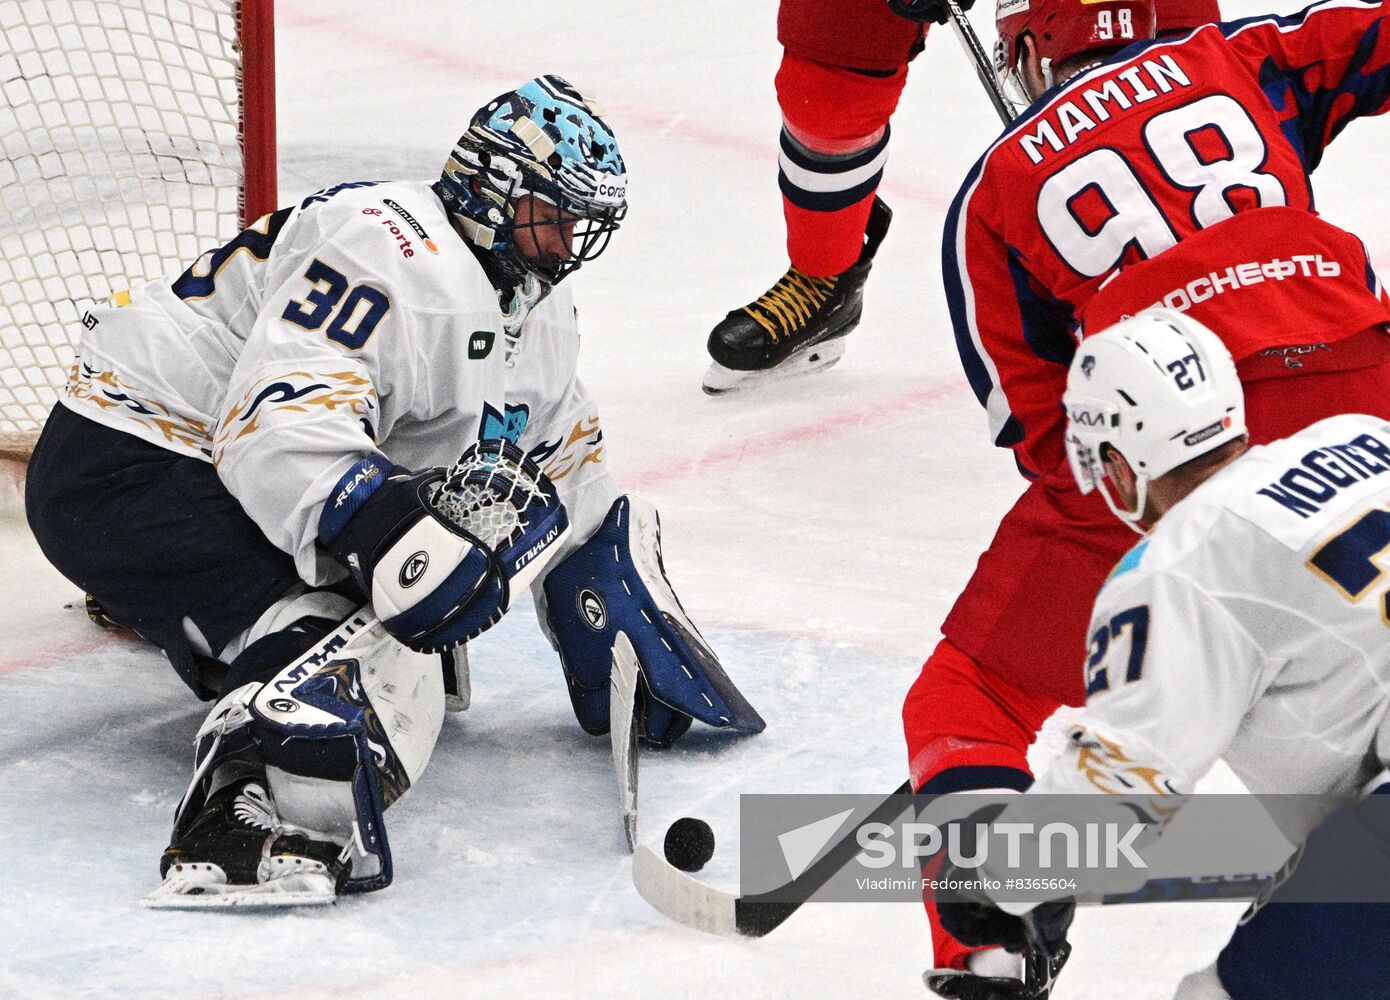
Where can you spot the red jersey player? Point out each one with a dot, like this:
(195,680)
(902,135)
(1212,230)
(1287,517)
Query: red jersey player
(1173,171)
(844,64)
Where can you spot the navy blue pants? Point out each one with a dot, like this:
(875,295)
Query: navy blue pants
(1341,951)
(154,536)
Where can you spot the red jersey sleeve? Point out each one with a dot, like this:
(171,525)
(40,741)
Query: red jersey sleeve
(1320,68)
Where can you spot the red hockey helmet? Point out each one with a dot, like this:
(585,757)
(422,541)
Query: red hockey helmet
(1065,28)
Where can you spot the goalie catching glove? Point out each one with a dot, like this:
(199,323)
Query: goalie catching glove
(440,553)
(615,585)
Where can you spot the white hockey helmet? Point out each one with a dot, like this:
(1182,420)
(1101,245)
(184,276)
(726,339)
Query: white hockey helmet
(1161,389)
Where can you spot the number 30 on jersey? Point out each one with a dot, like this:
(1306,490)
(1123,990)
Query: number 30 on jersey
(353,322)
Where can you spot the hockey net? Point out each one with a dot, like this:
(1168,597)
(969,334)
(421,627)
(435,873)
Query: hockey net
(134,135)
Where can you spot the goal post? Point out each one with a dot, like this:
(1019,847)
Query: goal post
(259,189)
(134,135)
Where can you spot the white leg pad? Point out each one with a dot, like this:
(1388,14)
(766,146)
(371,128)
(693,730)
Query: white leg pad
(407,691)
(296,604)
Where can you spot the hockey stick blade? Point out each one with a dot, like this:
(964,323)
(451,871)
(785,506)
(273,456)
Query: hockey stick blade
(622,730)
(702,907)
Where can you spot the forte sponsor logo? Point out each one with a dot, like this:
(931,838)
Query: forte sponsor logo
(403,242)
(415,226)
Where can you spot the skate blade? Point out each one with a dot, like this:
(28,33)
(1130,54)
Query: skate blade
(307,889)
(807,361)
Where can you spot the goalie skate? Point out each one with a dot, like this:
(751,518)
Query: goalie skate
(798,326)
(236,853)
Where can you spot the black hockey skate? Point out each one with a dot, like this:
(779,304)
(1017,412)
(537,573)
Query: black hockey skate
(236,852)
(963,986)
(99,615)
(797,326)
(1040,972)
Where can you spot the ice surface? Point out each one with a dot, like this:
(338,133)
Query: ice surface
(817,532)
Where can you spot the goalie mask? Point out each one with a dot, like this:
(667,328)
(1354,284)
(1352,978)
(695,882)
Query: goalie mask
(1061,29)
(547,140)
(1159,388)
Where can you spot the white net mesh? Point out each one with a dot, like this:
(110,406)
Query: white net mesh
(119,163)
(490,492)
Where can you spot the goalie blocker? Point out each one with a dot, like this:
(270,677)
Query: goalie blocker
(615,586)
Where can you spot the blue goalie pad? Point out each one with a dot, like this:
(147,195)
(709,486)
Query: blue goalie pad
(616,582)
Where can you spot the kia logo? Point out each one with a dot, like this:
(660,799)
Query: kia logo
(413,569)
(591,607)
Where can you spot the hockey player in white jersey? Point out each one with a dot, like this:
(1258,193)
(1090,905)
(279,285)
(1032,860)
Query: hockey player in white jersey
(246,455)
(1249,624)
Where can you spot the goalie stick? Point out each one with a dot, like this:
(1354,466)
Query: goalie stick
(703,907)
(622,730)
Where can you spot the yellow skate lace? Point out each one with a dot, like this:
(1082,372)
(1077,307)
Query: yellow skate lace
(788,305)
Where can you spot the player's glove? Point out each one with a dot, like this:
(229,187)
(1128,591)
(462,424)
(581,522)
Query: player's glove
(923,11)
(971,916)
(441,552)
(615,584)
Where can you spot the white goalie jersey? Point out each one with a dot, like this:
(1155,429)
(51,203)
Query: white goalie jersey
(1253,624)
(354,323)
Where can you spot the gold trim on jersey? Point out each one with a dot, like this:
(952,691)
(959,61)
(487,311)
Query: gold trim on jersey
(583,445)
(109,392)
(1107,768)
(293,392)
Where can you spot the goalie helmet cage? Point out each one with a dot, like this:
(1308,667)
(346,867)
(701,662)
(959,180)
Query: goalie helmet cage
(134,136)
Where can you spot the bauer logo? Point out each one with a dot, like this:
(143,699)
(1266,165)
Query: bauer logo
(591,608)
(480,344)
(413,569)
(410,221)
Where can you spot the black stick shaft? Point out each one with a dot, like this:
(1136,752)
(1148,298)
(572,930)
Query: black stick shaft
(757,915)
(984,68)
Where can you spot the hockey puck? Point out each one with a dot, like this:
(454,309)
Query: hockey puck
(689,844)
